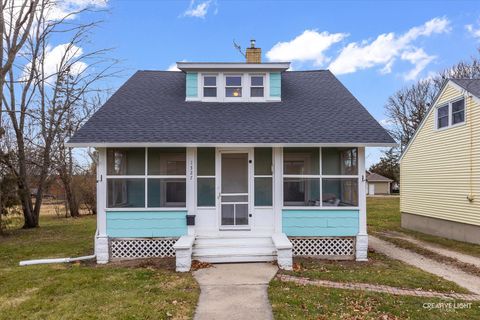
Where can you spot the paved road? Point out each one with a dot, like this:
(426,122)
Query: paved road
(234,291)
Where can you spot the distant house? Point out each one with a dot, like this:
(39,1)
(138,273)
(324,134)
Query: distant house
(231,162)
(440,168)
(378,184)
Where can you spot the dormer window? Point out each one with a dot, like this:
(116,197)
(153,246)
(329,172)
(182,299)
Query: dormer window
(210,86)
(233,86)
(257,89)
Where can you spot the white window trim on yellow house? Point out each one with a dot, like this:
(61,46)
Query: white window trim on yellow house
(466,95)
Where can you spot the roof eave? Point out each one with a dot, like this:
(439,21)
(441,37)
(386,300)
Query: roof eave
(200,66)
(214,144)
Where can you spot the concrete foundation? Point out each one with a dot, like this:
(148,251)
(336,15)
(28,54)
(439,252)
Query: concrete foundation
(441,228)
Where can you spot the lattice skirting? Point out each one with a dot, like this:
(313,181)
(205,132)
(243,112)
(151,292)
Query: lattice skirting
(325,247)
(141,248)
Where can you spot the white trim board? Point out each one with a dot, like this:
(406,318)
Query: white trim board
(221,145)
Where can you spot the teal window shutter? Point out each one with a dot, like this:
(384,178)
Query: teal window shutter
(192,84)
(275,84)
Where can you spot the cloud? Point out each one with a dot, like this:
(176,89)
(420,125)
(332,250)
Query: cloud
(198,11)
(63,8)
(386,122)
(419,59)
(173,67)
(53,58)
(310,46)
(386,48)
(474,32)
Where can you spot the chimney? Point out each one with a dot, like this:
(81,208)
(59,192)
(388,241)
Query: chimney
(254,55)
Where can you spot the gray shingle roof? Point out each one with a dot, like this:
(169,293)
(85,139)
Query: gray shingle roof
(375,177)
(471,85)
(150,107)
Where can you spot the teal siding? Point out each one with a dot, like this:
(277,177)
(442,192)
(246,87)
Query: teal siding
(192,84)
(137,224)
(311,223)
(275,84)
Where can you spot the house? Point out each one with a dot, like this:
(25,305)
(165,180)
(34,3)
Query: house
(229,162)
(440,167)
(378,184)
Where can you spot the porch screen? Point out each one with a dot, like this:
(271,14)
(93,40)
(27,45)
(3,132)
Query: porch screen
(146,178)
(320,177)
(206,177)
(263,177)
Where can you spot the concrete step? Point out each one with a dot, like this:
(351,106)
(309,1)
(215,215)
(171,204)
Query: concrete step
(233,241)
(227,251)
(234,258)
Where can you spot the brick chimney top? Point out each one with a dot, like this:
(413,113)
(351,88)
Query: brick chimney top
(254,55)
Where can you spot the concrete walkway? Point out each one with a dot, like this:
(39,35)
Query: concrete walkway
(463,279)
(234,291)
(378,288)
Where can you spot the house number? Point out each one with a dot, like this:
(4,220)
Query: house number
(190,170)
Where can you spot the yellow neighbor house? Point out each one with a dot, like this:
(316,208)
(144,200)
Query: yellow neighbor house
(440,168)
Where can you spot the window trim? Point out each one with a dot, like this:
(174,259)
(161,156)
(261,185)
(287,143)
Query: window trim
(250,86)
(246,86)
(450,114)
(146,176)
(204,75)
(242,86)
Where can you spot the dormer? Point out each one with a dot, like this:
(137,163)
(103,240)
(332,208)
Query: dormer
(251,81)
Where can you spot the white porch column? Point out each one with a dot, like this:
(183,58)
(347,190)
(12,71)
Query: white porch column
(362,237)
(191,185)
(277,188)
(101,238)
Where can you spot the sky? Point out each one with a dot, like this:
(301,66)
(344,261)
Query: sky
(373,47)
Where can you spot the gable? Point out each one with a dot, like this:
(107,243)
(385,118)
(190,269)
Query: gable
(449,92)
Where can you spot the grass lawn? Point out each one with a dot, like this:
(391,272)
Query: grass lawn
(292,301)
(383,214)
(85,291)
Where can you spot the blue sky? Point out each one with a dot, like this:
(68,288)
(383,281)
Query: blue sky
(373,47)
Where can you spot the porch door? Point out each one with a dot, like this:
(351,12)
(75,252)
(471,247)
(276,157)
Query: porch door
(234,204)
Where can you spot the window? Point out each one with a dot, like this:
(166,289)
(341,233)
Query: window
(167,161)
(163,181)
(299,190)
(458,111)
(451,114)
(125,193)
(334,185)
(442,117)
(233,86)
(209,86)
(123,161)
(337,192)
(339,161)
(263,176)
(256,86)
(206,177)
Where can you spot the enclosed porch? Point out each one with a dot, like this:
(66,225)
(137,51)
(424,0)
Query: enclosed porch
(231,203)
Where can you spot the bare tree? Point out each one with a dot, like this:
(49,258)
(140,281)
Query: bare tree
(65,163)
(40,99)
(16,20)
(407,107)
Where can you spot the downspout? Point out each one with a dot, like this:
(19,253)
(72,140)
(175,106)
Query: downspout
(471,196)
(59,260)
